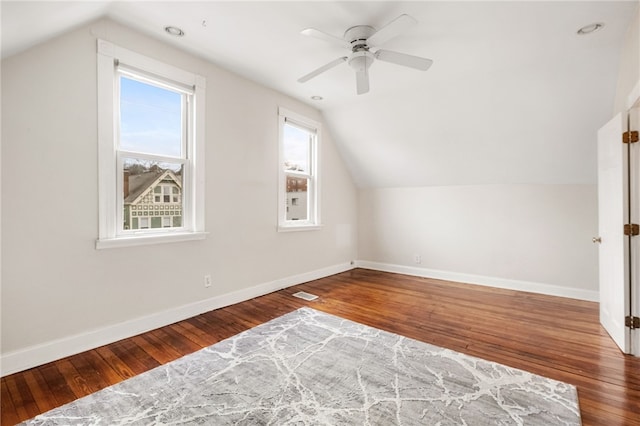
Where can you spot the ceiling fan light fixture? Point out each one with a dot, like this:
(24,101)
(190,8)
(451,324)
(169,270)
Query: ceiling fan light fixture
(590,29)
(174,31)
(361,61)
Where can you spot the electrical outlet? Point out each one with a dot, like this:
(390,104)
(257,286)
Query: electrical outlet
(207,280)
(417,258)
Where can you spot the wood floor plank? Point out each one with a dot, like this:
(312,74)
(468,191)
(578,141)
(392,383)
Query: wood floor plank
(10,413)
(20,388)
(551,336)
(131,355)
(12,410)
(109,374)
(180,343)
(206,326)
(121,367)
(189,332)
(40,390)
(74,379)
(90,371)
(157,349)
(60,389)
(195,334)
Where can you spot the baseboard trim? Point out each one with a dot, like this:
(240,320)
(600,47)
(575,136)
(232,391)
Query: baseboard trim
(36,355)
(533,287)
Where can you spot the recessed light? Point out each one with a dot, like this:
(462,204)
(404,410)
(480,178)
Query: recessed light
(317,98)
(174,31)
(591,28)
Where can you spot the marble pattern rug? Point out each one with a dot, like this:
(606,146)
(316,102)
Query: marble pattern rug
(311,368)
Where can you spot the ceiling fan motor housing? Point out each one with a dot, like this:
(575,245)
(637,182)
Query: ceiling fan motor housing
(361,59)
(358,36)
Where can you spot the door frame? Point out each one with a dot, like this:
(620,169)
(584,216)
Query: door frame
(633,120)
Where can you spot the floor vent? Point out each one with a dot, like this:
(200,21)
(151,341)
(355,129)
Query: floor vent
(304,295)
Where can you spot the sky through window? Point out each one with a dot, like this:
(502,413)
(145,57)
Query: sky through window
(150,118)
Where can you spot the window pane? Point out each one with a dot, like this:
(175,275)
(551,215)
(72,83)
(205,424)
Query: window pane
(296,201)
(150,118)
(143,182)
(296,149)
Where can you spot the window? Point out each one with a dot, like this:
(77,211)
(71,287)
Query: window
(298,201)
(167,194)
(151,150)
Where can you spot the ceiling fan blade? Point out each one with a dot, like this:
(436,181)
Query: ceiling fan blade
(322,69)
(403,59)
(362,82)
(391,30)
(312,32)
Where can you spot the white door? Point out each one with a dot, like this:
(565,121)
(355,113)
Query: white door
(612,215)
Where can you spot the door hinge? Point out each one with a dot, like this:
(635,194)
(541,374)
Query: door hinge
(630,136)
(632,322)
(631,229)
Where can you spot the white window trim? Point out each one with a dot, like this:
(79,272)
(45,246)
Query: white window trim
(108,189)
(313,197)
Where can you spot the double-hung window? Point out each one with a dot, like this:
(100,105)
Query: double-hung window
(298,201)
(151,150)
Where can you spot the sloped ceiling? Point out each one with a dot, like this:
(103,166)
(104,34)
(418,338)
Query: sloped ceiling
(514,95)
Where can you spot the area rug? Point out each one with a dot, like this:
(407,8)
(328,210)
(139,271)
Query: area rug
(311,368)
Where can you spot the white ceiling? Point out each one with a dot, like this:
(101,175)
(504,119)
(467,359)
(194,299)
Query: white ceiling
(514,95)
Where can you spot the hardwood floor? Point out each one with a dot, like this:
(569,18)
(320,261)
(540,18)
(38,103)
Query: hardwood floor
(551,336)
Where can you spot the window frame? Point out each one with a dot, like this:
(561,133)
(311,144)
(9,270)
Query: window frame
(313,221)
(110,157)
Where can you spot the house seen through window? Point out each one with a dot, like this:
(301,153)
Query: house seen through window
(152,196)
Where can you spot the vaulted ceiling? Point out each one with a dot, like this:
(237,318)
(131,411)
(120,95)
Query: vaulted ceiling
(514,94)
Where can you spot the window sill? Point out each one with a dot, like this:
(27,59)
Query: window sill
(142,240)
(295,228)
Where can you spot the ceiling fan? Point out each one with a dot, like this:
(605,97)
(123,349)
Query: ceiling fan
(360,39)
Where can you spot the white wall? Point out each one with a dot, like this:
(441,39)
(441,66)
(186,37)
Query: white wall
(528,237)
(629,70)
(59,294)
